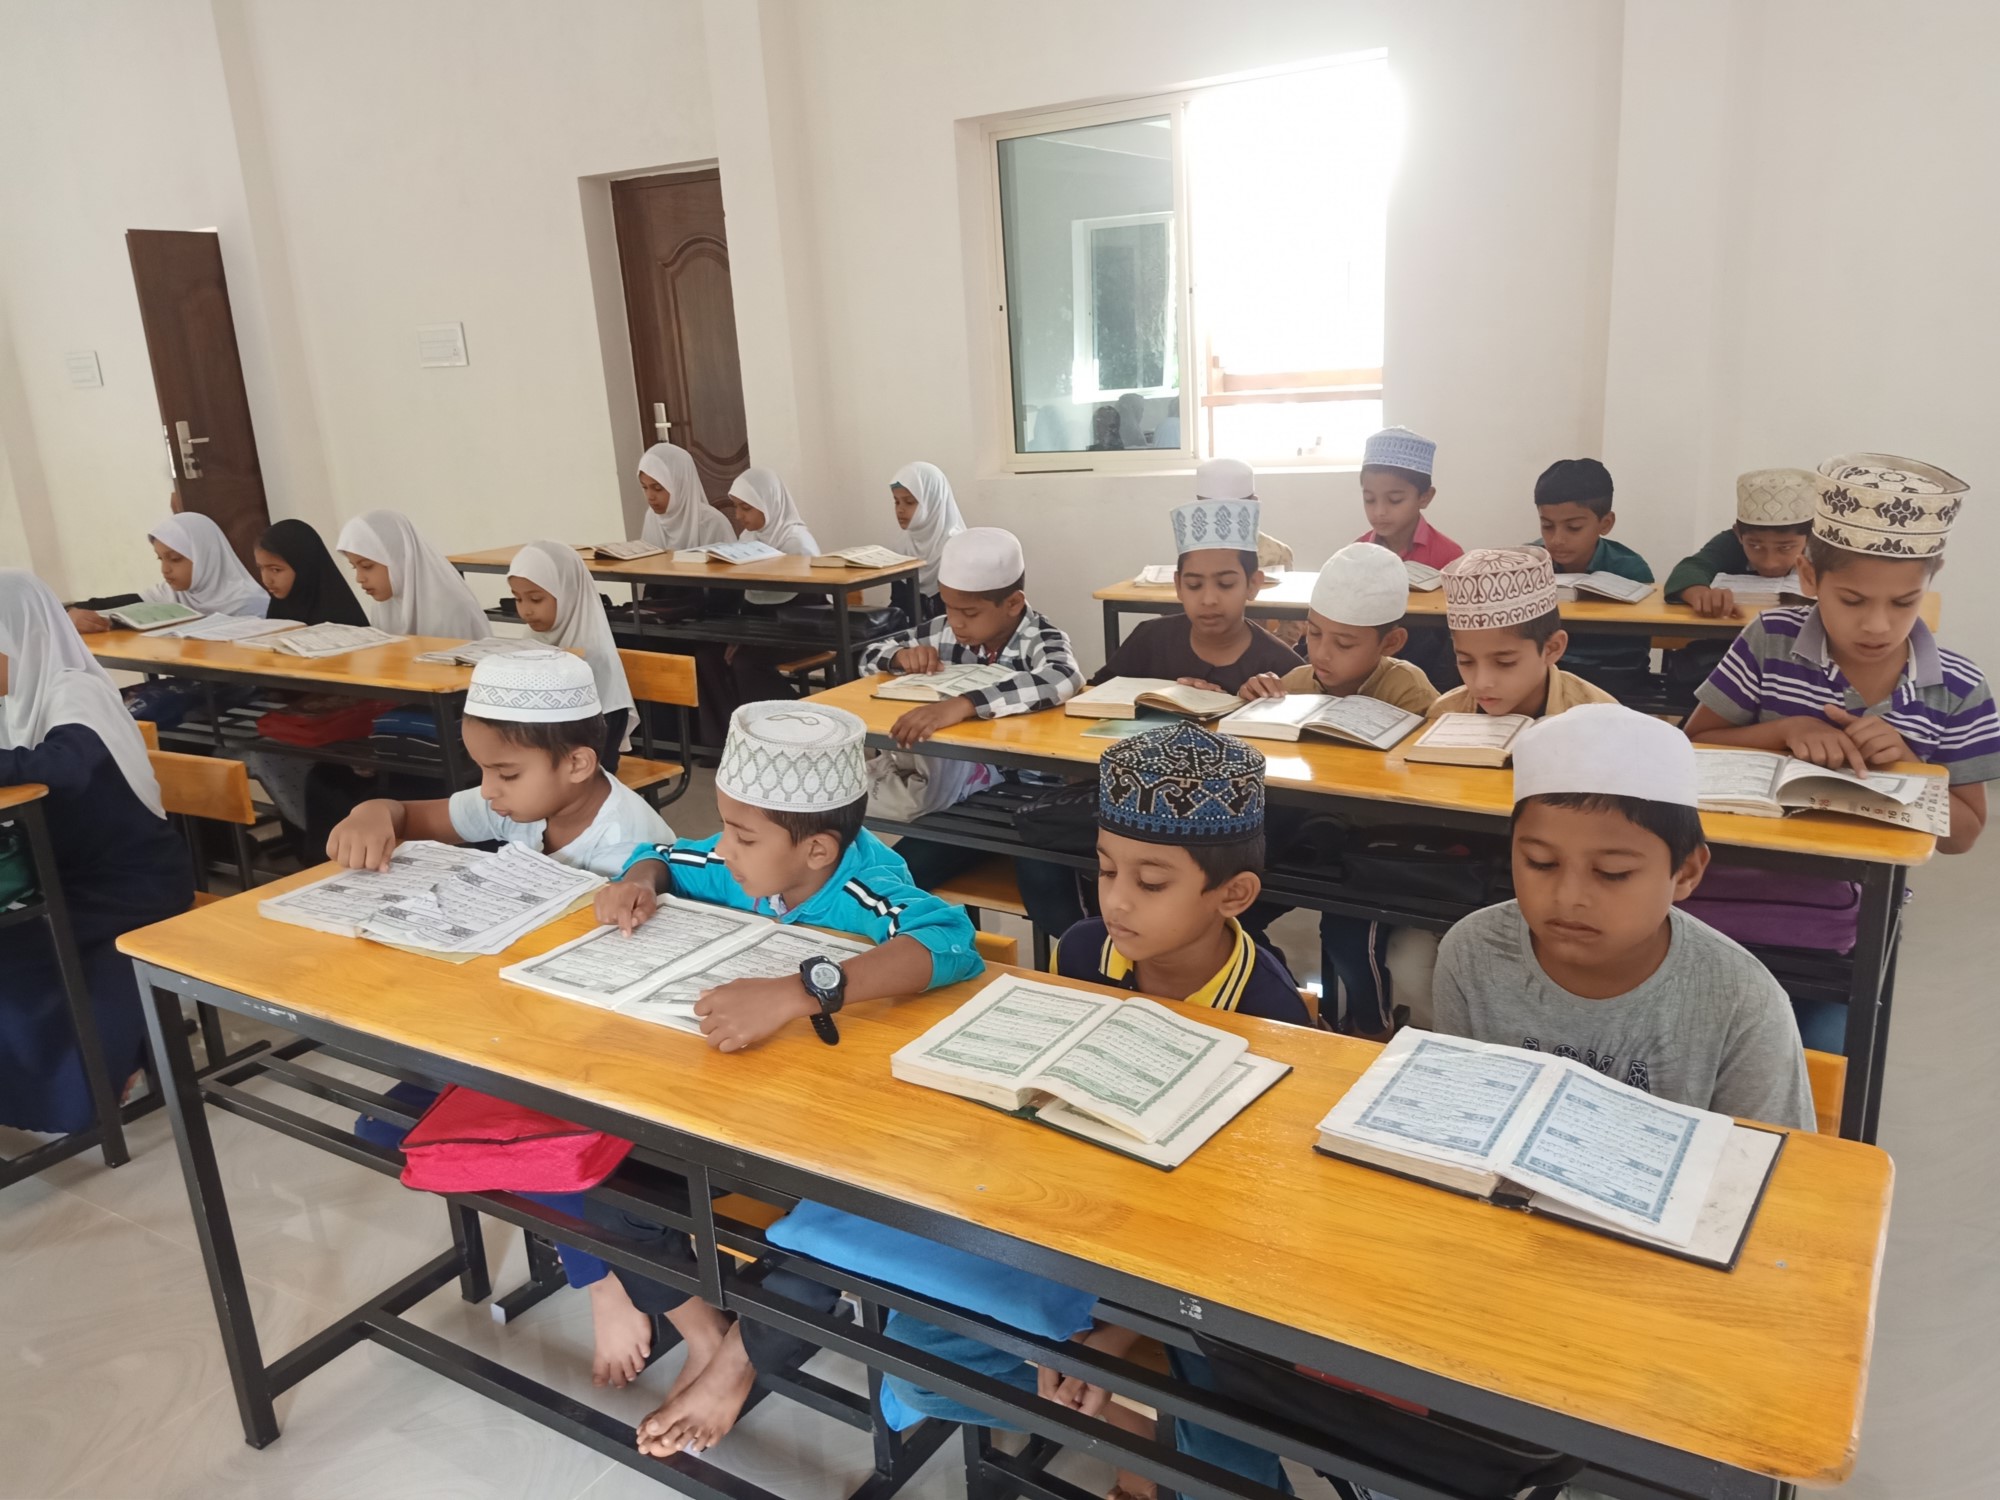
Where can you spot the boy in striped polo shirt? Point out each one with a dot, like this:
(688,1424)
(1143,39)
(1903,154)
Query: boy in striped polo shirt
(1856,679)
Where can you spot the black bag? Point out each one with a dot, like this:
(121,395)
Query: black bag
(1061,819)
(862,623)
(1436,864)
(1395,1435)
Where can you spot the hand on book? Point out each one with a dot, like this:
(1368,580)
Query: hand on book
(624,904)
(743,1012)
(1198,682)
(1710,604)
(922,722)
(1821,743)
(1263,685)
(1876,738)
(365,838)
(917,659)
(88,622)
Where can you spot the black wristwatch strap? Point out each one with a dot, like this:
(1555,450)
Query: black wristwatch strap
(823,1024)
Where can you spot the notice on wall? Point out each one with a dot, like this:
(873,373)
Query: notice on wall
(440,345)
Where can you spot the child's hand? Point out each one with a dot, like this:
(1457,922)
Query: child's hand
(1876,737)
(1817,741)
(922,722)
(1199,682)
(1263,685)
(365,838)
(624,904)
(88,622)
(917,659)
(1710,604)
(743,1012)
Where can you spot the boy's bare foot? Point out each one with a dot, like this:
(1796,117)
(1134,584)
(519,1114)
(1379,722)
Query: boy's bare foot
(702,1330)
(701,1415)
(623,1335)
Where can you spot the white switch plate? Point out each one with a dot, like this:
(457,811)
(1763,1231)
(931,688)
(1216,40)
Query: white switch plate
(84,373)
(440,345)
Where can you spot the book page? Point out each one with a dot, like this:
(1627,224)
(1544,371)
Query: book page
(1423,577)
(1156,576)
(743,552)
(227,628)
(603,965)
(1733,1196)
(316,641)
(1141,1067)
(148,616)
(1288,712)
(1006,1031)
(471,653)
(948,682)
(484,907)
(1472,731)
(1897,788)
(775,952)
(627,551)
(1444,1098)
(343,902)
(1640,1163)
(1193,700)
(1753,583)
(868,556)
(1736,776)
(1612,585)
(1380,724)
(1234,1090)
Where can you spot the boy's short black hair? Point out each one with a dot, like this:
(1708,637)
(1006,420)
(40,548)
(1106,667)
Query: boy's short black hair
(553,740)
(1247,560)
(1220,862)
(1001,596)
(1794,528)
(1674,824)
(1417,479)
(1827,558)
(842,821)
(1576,481)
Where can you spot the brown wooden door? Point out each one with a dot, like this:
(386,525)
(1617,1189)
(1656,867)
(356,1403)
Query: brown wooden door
(191,341)
(674,255)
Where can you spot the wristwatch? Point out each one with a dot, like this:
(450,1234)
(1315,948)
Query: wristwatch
(826,982)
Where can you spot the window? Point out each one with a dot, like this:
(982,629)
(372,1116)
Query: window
(1224,248)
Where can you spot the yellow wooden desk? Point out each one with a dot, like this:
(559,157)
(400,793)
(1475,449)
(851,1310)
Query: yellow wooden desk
(1620,1355)
(387,672)
(795,573)
(1287,599)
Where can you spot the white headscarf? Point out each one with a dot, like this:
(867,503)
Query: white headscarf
(783,527)
(221,585)
(429,598)
(52,679)
(937,519)
(555,569)
(690,520)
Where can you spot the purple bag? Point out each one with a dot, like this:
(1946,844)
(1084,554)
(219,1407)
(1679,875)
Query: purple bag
(1763,909)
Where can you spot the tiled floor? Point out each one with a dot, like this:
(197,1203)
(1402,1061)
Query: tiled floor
(112,1383)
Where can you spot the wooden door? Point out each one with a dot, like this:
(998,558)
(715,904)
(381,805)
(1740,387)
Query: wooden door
(191,341)
(674,255)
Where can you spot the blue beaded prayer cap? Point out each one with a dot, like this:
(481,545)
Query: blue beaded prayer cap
(1181,785)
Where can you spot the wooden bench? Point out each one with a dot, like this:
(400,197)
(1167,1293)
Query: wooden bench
(1826,1072)
(211,788)
(992,885)
(658,678)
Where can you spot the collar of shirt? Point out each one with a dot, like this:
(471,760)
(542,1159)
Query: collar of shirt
(1016,643)
(1224,990)
(1922,667)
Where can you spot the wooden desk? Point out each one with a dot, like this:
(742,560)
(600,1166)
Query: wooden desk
(388,672)
(795,573)
(1626,1357)
(1364,788)
(1287,599)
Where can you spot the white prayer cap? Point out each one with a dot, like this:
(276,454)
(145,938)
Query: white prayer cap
(1215,523)
(793,757)
(1224,479)
(981,558)
(1362,584)
(1491,587)
(1776,497)
(533,687)
(1608,750)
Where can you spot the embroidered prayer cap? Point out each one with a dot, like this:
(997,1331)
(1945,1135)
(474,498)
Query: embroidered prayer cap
(1181,785)
(533,687)
(1362,584)
(1400,448)
(982,558)
(793,757)
(1886,506)
(1216,523)
(1605,750)
(1492,587)
(1776,497)
(1224,479)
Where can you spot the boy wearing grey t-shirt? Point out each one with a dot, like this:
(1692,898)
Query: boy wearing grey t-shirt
(1591,960)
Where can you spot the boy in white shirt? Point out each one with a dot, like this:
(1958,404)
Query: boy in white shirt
(534,725)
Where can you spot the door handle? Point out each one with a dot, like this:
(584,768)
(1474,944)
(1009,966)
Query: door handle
(190,468)
(662,428)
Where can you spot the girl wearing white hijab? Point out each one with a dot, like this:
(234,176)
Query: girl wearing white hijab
(760,509)
(926,509)
(198,568)
(558,602)
(678,514)
(411,589)
(119,861)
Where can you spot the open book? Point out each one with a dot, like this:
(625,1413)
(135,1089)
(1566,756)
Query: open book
(1123,697)
(226,628)
(472,653)
(1601,585)
(867,556)
(1156,576)
(341,904)
(660,971)
(1133,1075)
(624,551)
(1528,1129)
(316,641)
(150,616)
(1354,719)
(1468,739)
(1424,578)
(947,682)
(1764,784)
(729,552)
(1755,592)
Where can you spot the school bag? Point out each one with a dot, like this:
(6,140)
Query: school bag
(469,1142)
(1764,909)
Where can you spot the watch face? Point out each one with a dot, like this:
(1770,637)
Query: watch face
(825,974)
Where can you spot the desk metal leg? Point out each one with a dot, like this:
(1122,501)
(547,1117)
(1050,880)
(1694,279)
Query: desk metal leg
(76,990)
(1868,996)
(226,1287)
(843,639)
(1879,1066)
(448,743)
(1112,622)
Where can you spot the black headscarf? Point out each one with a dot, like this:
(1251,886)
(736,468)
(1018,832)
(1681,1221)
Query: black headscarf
(320,593)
